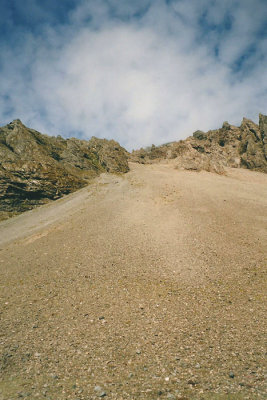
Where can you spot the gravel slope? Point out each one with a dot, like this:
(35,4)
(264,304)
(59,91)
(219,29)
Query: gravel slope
(144,286)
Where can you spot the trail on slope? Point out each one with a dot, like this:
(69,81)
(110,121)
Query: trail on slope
(149,284)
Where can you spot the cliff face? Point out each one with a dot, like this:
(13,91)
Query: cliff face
(229,146)
(35,168)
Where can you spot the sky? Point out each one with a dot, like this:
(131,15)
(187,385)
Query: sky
(137,71)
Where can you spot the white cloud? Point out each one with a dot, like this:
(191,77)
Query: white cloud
(142,81)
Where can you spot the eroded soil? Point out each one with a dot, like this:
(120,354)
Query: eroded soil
(144,286)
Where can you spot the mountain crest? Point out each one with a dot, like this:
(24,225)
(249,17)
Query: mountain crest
(35,168)
(215,150)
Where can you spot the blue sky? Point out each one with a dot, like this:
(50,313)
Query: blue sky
(140,72)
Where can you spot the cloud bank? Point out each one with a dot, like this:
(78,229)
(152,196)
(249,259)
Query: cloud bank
(140,72)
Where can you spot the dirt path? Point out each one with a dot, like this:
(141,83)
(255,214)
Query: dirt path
(145,286)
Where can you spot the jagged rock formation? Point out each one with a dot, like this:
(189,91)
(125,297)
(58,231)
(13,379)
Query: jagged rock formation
(35,168)
(229,146)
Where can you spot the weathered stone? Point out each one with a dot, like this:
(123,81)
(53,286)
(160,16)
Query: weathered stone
(226,125)
(199,135)
(230,146)
(263,131)
(263,126)
(36,168)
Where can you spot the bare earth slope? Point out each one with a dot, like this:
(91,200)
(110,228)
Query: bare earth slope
(144,286)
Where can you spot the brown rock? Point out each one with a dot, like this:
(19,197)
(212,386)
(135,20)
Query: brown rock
(263,131)
(229,146)
(35,168)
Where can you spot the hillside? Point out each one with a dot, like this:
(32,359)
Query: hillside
(229,146)
(149,285)
(35,168)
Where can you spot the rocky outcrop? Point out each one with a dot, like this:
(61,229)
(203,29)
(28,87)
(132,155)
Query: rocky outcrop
(229,146)
(35,168)
(263,132)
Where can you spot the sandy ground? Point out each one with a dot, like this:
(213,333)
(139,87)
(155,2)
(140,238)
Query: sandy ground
(143,286)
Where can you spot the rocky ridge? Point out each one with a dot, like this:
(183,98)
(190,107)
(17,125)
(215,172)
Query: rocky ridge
(229,146)
(35,168)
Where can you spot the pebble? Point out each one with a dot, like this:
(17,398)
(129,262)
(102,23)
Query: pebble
(191,382)
(231,375)
(100,391)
